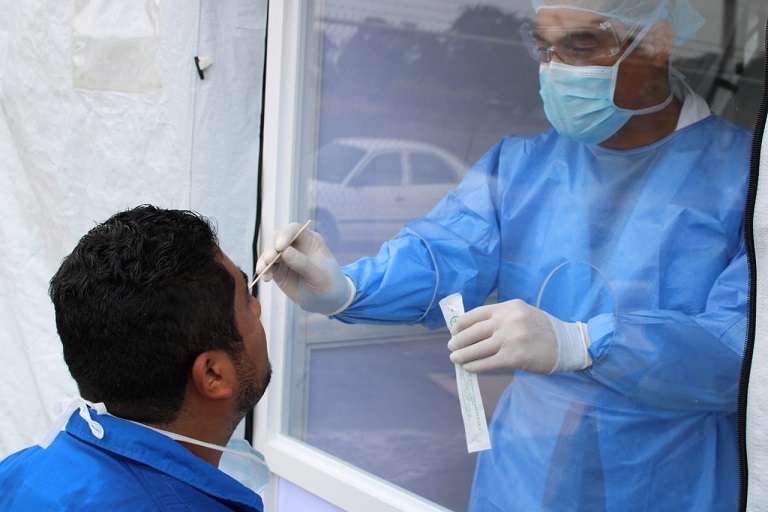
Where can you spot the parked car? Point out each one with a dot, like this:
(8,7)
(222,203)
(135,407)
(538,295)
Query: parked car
(366,189)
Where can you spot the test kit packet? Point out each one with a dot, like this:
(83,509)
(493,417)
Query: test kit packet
(470,400)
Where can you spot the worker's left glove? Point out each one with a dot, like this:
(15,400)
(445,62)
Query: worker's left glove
(516,335)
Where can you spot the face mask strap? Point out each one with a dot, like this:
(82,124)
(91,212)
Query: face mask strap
(81,405)
(65,410)
(615,79)
(96,429)
(196,442)
(631,48)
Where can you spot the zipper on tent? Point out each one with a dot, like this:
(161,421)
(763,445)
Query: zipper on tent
(249,419)
(749,243)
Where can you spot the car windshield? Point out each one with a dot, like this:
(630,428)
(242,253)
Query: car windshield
(336,160)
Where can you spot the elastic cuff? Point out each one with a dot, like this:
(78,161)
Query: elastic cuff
(572,346)
(600,331)
(437,276)
(585,340)
(350,298)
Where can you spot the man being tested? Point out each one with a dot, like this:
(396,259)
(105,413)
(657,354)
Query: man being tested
(613,243)
(159,330)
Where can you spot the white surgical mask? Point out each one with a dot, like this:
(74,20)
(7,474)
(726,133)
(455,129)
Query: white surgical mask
(579,100)
(239,460)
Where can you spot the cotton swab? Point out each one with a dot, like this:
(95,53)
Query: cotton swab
(269,266)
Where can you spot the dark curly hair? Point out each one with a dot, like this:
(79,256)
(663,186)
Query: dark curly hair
(137,300)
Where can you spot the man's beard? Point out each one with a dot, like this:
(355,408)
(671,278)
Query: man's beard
(252,385)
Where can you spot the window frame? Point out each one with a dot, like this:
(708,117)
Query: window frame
(311,469)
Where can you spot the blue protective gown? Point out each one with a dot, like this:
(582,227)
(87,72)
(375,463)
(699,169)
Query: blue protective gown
(132,468)
(643,245)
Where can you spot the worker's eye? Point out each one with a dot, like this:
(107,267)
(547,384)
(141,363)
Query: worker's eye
(581,40)
(580,44)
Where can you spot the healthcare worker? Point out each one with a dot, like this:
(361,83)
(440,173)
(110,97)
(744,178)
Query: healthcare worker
(613,244)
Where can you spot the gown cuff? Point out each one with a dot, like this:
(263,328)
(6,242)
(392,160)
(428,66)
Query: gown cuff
(600,328)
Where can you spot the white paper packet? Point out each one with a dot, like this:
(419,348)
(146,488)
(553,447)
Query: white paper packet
(470,400)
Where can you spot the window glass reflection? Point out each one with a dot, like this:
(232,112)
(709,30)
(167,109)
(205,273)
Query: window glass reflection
(383,170)
(336,161)
(580,170)
(428,169)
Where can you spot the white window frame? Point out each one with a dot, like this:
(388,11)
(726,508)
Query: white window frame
(317,472)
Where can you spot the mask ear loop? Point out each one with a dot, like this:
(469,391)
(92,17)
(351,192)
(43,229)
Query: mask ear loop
(615,79)
(96,429)
(65,410)
(256,455)
(81,405)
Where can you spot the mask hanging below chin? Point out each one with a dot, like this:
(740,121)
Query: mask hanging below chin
(239,459)
(251,471)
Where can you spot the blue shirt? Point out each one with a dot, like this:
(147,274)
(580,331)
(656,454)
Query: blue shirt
(130,468)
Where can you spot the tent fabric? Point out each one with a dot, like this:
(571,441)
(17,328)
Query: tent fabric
(757,403)
(71,156)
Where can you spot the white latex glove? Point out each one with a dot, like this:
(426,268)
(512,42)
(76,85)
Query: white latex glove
(307,272)
(515,335)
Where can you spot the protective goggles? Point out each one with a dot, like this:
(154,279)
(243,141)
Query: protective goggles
(577,46)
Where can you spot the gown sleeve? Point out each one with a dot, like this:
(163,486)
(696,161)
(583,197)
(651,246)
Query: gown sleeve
(673,360)
(455,248)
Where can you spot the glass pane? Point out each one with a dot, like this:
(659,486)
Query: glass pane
(336,161)
(580,169)
(429,169)
(382,171)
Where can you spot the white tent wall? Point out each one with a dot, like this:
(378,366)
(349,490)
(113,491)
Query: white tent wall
(71,156)
(225,148)
(757,405)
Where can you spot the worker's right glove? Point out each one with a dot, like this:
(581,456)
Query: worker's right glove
(307,272)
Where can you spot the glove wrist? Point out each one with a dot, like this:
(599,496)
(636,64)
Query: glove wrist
(337,295)
(351,292)
(572,345)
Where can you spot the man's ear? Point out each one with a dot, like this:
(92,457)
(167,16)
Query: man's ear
(213,375)
(658,43)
